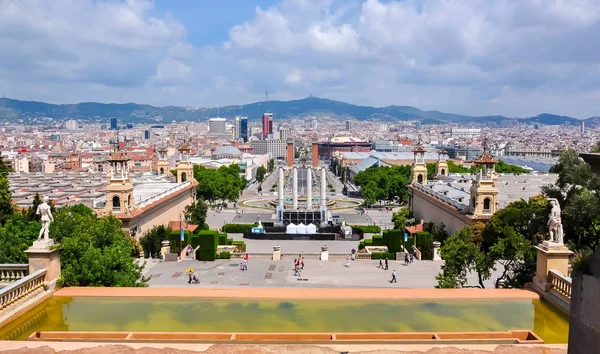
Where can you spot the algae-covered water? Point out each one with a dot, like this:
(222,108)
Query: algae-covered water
(250,315)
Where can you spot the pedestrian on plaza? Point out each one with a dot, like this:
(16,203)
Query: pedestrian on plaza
(380,264)
(189,278)
(411,258)
(302,262)
(393,280)
(386,263)
(406,259)
(244,265)
(347,261)
(297,271)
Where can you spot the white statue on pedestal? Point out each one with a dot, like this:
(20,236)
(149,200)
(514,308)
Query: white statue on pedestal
(555,228)
(44,211)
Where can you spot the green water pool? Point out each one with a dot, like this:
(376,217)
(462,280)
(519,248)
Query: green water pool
(241,315)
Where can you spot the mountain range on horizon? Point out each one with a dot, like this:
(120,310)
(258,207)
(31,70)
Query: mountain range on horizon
(139,113)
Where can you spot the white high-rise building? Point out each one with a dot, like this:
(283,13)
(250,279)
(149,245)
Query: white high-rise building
(284,133)
(72,125)
(236,128)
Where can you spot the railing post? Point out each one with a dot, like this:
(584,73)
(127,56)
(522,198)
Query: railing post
(550,256)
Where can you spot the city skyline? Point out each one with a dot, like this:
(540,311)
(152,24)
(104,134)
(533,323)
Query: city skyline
(478,58)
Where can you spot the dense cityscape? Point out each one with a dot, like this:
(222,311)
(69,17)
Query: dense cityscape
(299,176)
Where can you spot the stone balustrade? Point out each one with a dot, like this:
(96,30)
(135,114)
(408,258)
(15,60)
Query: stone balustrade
(561,285)
(12,272)
(22,288)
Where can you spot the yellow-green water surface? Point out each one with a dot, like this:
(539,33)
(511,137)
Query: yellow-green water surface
(249,315)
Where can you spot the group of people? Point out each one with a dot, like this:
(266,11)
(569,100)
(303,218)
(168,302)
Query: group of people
(408,258)
(381,264)
(192,278)
(298,265)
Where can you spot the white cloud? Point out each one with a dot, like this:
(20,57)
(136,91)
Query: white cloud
(453,55)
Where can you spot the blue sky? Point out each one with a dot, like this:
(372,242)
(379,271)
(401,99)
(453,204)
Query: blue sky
(478,57)
(208,22)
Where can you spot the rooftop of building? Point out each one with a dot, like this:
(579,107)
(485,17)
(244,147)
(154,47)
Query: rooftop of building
(455,188)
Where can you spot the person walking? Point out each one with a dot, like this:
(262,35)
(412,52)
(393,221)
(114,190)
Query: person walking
(386,264)
(393,280)
(302,263)
(380,264)
(406,259)
(244,265)
(347,261)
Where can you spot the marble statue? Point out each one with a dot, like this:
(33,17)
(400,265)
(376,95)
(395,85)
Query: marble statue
(44,211)
(555,228)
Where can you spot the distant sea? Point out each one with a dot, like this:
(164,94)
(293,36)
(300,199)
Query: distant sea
(536,165)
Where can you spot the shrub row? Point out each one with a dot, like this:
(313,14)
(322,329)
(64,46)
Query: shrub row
(238,228)
(225,255)
(365,229)
(209,240)
(383,255)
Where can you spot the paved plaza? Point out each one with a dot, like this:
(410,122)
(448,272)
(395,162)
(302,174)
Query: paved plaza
(316,273)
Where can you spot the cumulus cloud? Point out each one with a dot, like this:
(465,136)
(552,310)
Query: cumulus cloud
(512,57)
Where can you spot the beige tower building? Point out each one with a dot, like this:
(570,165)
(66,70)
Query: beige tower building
(441,167)
(484,193)
(419,169)
(162,166)
(119,191)
(185,169)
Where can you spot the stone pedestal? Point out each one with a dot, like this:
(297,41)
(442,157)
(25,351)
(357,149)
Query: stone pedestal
(276,253)
(436,251)
(42,257)
(324,253)
(165,249)
(550,255)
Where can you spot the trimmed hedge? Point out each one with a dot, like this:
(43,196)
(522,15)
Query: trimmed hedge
(393,240)
(378,240)
(175,242)
(209,240)
(425,245)
(365,229)
(238,228)
(225,255)
(222,239)
(361,245)
(383,255)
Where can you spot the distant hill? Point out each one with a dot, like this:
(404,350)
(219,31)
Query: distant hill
(11,109)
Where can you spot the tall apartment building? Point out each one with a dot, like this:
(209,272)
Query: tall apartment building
(72,124)
(284,133)
(348,125)
(217,126)
(235,133)
(274,147)
(267,126)
(244,129)
(113,124)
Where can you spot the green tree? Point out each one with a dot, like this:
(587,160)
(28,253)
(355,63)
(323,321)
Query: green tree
(577,190)
(503,167)
(93,251)
(596,148)
(16,236)
(454,168)
(151,241)
(7,209)
(431,167)
(196,213)
(383,183)
(399,218)
(462,254)
(271,165)
(260,173)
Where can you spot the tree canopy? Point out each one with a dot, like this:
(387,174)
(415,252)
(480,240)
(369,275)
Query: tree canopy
(577,190)
(260,173)
(383,183)
(506,240)
(196,213)
(224,183)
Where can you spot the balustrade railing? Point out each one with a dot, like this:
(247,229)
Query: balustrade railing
(21,288)
(561,285)
(12,272)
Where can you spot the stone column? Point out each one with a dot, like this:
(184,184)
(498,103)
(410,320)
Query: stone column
(323,186)
(324,253)
(276,253)
(436,251)
(550,255)
(42,257)
(295,189)
(165,249)
(281,171)
(308,188)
